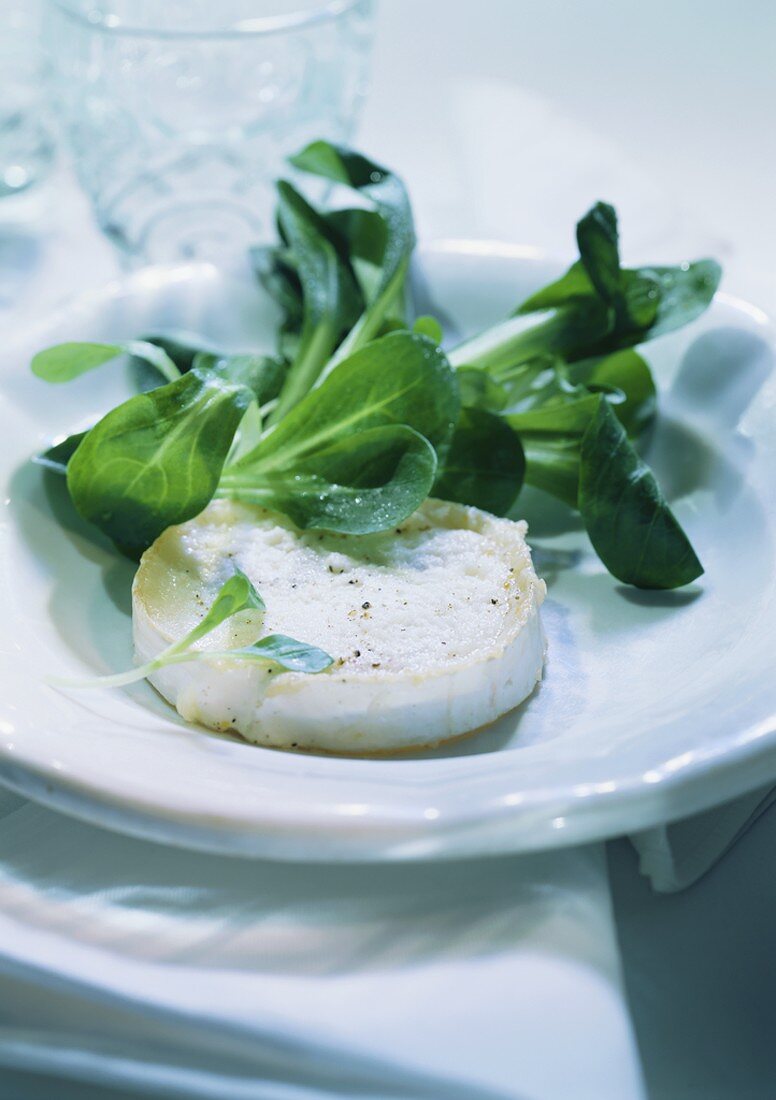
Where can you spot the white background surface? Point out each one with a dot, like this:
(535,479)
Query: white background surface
(669,103)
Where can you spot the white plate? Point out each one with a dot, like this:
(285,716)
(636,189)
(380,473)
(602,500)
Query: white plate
(654,705)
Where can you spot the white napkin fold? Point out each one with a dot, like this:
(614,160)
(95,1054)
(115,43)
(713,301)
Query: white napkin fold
(188,974)
(675,856)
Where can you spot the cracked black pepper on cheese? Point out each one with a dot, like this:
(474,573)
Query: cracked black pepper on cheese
(434,626)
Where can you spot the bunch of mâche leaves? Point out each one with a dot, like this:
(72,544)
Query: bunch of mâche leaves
(361,415)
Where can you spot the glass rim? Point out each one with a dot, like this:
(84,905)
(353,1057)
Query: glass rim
(328,11)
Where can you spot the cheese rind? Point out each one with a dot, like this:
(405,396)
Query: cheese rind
(434,627)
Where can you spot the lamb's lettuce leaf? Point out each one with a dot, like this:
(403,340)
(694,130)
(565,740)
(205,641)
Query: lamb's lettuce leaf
(484,465)
(359,453)
(631,527)
(392,243)
(330,301)
(156,459)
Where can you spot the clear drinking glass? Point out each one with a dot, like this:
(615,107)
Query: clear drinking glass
(180,112)
(26,147)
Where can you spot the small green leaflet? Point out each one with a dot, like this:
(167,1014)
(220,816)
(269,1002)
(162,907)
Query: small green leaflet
(64,362)
(278,649)
(235,596)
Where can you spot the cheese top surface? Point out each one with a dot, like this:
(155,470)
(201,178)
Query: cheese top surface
(430,592)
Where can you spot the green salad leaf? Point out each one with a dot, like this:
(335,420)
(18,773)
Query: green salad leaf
(599,251)
(330,303)
(275,268)
(643,303)
(363,482)
(264,374)
(484,465)
(627,373)
(630,525)
(358,453)
(428,326)
(182,348)
(553,333)
(57,456)
(362,415)
(552,464)
(684,293)
(480,390)
(568,415)
(156,459)
(393,244)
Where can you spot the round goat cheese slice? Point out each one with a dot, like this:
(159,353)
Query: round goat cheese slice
(434,626)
